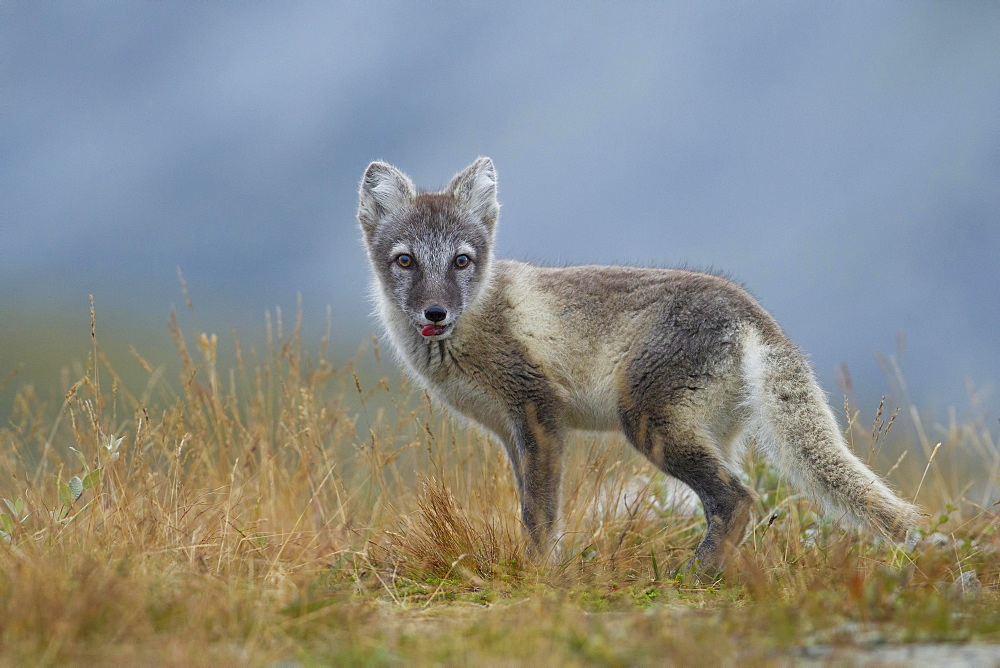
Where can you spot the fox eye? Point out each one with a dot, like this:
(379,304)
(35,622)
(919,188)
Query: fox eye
(462,261)
(404,261)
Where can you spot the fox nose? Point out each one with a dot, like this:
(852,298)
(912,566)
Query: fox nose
(435,313)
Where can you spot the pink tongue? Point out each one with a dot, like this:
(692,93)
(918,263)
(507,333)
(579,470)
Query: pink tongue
(432,330)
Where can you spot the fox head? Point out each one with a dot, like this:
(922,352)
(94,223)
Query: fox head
(430,252)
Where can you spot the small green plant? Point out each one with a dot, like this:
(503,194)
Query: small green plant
(11,524)
(71,490)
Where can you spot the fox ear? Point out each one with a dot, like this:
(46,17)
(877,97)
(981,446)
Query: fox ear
(383,189)
(475,189)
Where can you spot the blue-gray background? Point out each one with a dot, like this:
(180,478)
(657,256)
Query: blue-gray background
(840,159)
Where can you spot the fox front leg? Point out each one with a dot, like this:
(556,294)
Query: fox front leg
(536,450)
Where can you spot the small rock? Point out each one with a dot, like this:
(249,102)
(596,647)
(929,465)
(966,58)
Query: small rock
(967,583)
(936,539)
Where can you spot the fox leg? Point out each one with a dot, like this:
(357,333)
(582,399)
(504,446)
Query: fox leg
(535,447)
(691,456)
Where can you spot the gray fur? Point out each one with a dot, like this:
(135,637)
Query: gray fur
(687,365)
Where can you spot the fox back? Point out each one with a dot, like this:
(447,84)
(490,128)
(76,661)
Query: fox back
(687,365)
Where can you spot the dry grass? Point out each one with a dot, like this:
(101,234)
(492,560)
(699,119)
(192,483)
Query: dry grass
(280,508)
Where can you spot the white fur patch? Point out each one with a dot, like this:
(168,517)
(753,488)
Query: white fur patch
(583,369)
(754,374)
(399,249)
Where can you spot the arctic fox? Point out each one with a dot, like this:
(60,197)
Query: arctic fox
(687,365)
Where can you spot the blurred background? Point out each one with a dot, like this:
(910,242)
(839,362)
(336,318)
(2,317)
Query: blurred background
(840,159)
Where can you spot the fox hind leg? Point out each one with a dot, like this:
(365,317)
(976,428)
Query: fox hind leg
(691,455)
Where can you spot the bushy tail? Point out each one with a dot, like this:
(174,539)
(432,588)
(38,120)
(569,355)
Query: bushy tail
(798,434)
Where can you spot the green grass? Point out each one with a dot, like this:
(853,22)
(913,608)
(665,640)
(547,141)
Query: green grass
(281,507)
